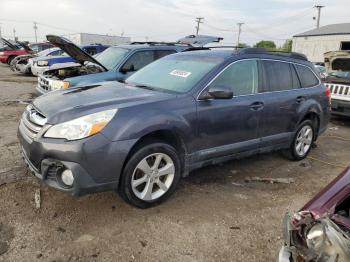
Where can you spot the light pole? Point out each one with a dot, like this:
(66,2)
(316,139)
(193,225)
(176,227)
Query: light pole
(239,33)
(319,7)
(199,21)
(35,28)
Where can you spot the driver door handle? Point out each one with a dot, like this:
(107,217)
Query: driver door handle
(257,106)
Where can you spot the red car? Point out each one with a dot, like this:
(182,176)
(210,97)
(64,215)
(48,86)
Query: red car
(12,51)
(320,231)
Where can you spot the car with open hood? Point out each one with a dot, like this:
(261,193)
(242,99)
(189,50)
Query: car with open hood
(12,51)
(320,231)
(179,113)
(44,63)
(22,64)
(114,64)
(338,80)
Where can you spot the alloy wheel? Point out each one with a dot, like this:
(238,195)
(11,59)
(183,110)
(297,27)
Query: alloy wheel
(153,176)
(304,140)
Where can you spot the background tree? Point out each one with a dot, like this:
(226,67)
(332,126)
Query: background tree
(243,45)
(287,46)
(266,44)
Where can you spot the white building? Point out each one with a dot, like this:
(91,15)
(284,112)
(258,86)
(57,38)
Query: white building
(316,42)
(87,39)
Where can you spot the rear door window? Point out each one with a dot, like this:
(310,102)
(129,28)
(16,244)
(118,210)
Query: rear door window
(279,76)
(140,59)
(307,77)
(161,53)
(240,77)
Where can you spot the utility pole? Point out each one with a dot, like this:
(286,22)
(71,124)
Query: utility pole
(319,7)
(239,33)
(14,34)
(198,21)
(35,28)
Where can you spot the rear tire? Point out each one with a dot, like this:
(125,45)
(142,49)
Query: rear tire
(302,142)
(150,175)
(10,59)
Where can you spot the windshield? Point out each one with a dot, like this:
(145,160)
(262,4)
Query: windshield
(174,73)
(111,56)
(341,74)
(47,51)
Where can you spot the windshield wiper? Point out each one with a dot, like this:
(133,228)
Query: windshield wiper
(140,86)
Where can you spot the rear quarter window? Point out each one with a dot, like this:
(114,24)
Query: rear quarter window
(279,76)
(306,76)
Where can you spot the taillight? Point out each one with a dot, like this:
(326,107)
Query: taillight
(328,94)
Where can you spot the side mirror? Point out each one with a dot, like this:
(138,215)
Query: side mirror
(127,68)
(218,92)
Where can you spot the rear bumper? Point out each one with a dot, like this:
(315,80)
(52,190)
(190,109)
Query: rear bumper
(3,59)
(96,162)
(340,107)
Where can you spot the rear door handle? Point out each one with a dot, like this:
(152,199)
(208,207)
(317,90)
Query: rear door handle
(300,99)
(256,106)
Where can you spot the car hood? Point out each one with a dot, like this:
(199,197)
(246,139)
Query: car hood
(65,105)
(73,50)
(324,202)
(337,80)
(9,44)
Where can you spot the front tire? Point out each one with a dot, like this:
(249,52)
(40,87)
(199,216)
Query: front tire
(151,175)
(302,142)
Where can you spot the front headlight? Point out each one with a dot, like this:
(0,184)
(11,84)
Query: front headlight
(2,53)
(315,238)
(81,127)
(43,63)
(58,84)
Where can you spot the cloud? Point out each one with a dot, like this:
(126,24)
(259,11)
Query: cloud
(168,19)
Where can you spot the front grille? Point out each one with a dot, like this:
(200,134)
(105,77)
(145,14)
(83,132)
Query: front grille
(339,90)
(43,83)
(31,122)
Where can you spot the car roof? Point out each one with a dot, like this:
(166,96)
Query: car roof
(157,46)
(226,53)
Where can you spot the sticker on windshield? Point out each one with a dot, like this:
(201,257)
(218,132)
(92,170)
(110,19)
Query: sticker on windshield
(180,73)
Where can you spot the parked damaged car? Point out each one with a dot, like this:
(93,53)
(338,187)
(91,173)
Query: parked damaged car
(114,64)
(338,80)
(181,112)
(12,50)
(320,231)
(42,64)
(23,64)
(20,48)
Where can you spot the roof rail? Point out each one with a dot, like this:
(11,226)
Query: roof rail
(277,52)
(158,43)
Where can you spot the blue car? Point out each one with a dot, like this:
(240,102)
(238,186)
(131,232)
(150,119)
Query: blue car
(182,112)
(42,64)
(114,64)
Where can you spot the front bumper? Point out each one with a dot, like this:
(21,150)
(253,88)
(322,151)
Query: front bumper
(340,107)
(96,162)
(23,69)
(38,70)
(285,255)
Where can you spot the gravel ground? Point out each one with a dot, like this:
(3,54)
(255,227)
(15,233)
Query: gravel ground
(213,216)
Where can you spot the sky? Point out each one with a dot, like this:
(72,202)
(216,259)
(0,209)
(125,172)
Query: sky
(169,20)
